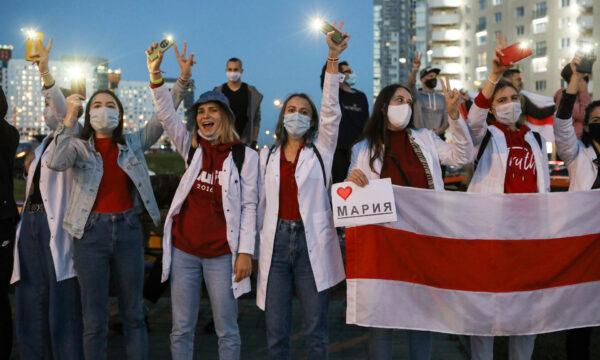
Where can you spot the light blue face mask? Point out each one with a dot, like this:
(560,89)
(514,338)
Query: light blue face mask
(351,79)
(296,124)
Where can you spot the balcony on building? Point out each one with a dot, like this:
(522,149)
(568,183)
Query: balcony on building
(446,35)
(586,22)
(586,4)
(444,19)
(446,52)
(452,69)
(440,4)
(540,13)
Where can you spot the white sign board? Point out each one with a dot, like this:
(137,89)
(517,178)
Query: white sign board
(354,205)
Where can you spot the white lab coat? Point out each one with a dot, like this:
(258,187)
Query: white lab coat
(434,149)
(491,169)
(578,157)
(239,194)
(313,199)
(55,189)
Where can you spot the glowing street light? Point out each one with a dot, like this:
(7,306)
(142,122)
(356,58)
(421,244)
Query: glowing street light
(267,132)
(278,103)
(402,60)
(75,72)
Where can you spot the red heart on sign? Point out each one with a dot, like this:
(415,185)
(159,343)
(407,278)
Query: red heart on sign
(344,192)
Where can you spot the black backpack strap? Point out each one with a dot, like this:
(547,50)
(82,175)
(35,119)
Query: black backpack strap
(238,152)
(191,153)
(484,143)
(318,154)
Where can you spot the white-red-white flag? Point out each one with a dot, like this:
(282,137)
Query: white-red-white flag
(478,264)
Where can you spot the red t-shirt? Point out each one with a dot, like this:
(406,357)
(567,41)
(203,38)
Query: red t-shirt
(114,192)
(200,228)
(288,189)
(521,175)
(401,153)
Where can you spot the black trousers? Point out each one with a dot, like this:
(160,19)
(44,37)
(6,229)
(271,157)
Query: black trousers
(7,241)
(578,343)
(341,162)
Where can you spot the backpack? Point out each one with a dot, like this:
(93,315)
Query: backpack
(238,152)
(486,140)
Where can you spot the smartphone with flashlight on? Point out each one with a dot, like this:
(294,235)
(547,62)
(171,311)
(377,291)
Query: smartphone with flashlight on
(163,46)
(514,53)
(586,64)
(326,28)
(30,43)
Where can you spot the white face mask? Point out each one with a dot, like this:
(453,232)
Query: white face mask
(399,115)
(210,138)
(104,119)
(234,75)
(508,114)
(351,80)
(296,124)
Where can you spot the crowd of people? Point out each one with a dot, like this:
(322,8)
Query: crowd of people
(79,228)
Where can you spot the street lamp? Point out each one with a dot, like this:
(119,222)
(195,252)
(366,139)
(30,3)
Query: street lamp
(278,103)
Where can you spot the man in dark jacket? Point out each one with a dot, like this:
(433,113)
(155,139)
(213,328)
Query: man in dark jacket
(9,140)
(245,102)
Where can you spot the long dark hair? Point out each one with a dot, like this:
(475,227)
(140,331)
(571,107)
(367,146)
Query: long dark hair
(88,131)
(280,131)
(587,138)
(375,131)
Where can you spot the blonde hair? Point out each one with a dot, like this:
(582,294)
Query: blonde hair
(227,129)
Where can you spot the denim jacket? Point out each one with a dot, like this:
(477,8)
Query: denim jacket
(67,151)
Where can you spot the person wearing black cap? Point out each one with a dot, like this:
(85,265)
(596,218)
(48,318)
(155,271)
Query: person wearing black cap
(9,140)
(431,113)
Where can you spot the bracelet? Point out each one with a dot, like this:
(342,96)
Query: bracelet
(333,59)
(157,81)
(184,80)
(42,74)
(156,72)
(493,82)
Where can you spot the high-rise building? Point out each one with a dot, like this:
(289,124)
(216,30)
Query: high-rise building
(555,29)
(23,92)
(393,41)
(445,28)
(5,56)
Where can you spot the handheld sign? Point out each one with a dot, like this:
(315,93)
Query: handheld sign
(354,205)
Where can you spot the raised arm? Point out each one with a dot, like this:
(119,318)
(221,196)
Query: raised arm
(476,119)
(412,76)
(331,114)
(164,105)
(65,148)
(460,150)
(567,145)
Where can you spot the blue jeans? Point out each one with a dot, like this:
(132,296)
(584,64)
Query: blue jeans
(112,243)
(187,273)
(48,313)
(380,344)
(291,271)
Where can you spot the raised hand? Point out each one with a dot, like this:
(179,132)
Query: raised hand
(153,65)
(576,77)
(42,55)
(416,64)
(452,97)
(185,63)
(73,107)
(336,49)
(497,67)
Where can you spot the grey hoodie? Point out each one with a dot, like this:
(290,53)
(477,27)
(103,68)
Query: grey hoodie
(430,111)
